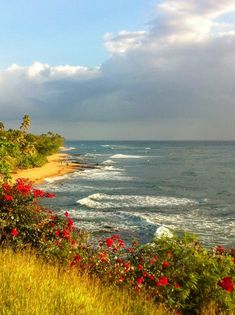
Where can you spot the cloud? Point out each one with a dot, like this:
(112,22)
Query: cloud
(124,41)
(175,79)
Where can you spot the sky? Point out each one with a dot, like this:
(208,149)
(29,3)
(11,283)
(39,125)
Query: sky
(119,70)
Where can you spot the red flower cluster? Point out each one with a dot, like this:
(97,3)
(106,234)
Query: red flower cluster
(227,284)
(8,197)
(23,186)
(163,281)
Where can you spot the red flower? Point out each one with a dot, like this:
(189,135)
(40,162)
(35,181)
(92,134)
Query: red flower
(38,193)
(121,279)
(163,281)
(227,284)
(14,232)
(234,260)
(70,224)
(66,234)
(109,242)
(22,187)
(66,214)
(8,198)
(176,286)
(6,187)
(219,249)
(140,267)
(52,224)
(166,264)
(153,260)
(140,280)
(57,233)
(121,243)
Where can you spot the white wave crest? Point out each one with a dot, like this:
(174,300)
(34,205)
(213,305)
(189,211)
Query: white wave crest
(53,179)
(105,201)
(67,148)
(103,174)
(107,162)
(124,156)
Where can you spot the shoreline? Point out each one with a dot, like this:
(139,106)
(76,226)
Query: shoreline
(57,165)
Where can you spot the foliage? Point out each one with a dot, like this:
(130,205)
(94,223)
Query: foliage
(24,223)
(177,271)
(19,150)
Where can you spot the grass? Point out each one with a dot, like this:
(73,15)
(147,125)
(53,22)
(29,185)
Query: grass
(30,287)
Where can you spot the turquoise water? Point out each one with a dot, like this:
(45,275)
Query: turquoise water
(142,185)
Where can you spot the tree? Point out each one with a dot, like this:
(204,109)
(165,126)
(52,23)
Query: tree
(2,127)
(25,123)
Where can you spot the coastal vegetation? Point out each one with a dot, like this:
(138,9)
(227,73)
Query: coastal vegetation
(176,274)
(20,149)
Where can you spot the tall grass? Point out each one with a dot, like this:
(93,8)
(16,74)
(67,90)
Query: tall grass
(30,287)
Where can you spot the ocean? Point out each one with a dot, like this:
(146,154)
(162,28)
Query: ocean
(139,186)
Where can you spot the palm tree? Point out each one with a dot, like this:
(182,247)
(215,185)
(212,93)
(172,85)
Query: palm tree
(25,123)
(2,127)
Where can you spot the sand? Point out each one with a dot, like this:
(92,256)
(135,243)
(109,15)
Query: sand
(57,165)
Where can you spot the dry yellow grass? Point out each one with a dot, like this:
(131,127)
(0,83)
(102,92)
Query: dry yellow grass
(31,287)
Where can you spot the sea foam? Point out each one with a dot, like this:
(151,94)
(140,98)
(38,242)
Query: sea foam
(104,201)
(125,156)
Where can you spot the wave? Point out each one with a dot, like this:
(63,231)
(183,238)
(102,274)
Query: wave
(107,162)
(124,156)
(67,149)
(105,201)
(56,178)
(103,174)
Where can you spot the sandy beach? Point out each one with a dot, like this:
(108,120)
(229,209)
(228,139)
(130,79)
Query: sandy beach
(57,165)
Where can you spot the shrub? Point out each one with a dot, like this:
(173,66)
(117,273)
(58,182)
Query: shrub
(24,223)
(177,271)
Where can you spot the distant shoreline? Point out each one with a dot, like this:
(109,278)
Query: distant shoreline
(57,165)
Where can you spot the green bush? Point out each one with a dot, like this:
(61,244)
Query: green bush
(178,272)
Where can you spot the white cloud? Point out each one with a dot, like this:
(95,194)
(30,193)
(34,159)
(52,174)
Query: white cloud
(121,43)
(175,79)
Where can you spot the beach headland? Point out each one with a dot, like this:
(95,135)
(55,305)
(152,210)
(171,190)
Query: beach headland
(58,164)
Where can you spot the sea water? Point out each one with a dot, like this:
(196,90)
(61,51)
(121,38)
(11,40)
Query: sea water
(139,186)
